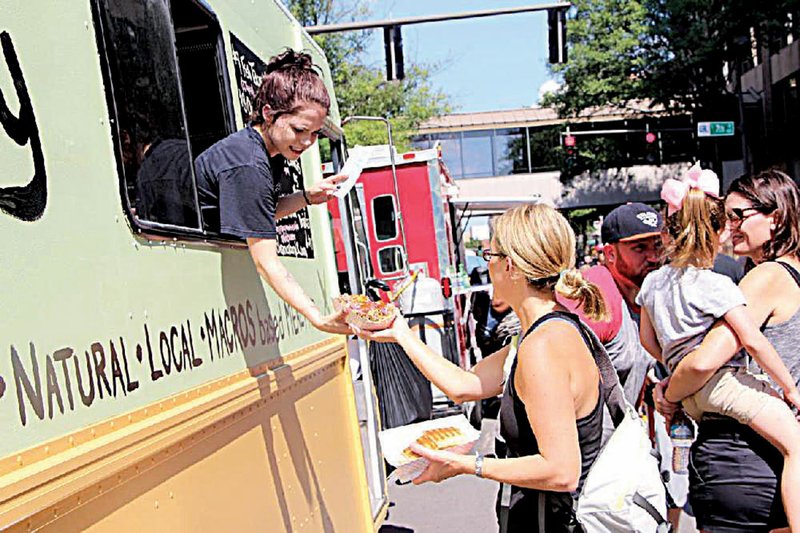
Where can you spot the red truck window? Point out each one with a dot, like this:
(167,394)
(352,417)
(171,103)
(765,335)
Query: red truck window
(390,259)
(385,216)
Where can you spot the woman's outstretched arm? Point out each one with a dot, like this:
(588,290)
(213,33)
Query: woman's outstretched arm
(482,381)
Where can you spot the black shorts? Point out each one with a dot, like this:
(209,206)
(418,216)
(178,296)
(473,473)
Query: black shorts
(734,479)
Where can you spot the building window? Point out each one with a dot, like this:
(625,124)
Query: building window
(510,152)
(422,142)
(390,260)
(385,217)
(477,154)
(677,146)
(451,153)
(168,99)
(545,148)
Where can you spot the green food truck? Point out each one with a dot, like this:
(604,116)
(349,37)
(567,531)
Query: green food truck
(149,379)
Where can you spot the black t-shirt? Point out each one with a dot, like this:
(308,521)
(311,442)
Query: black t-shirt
(164,184)
(236,188)
(728,266)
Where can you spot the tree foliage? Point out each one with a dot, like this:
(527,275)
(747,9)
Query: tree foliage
(672,52)
(606,58)
(362,89)
(692,41)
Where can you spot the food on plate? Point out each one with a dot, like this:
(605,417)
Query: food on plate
(437,439)
(364,313)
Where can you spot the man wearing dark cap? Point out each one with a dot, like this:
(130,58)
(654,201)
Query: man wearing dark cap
(631,235)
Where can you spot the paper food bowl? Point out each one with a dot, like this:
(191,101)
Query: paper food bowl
(395,441)
(356,307)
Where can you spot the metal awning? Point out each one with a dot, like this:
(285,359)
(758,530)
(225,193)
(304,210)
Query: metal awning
(489,205)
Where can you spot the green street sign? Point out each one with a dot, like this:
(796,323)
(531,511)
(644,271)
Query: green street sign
(715,129)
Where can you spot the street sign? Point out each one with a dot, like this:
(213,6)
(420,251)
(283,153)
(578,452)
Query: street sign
(715,129)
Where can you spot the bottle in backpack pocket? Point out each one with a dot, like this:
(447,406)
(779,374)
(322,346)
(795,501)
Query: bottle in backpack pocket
(681,433)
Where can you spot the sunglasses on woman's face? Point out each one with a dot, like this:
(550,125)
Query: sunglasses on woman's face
(488,254)
(737,215)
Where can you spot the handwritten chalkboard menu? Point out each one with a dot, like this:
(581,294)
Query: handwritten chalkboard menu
(294,231)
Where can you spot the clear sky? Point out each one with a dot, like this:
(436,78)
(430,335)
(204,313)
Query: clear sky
(485,63)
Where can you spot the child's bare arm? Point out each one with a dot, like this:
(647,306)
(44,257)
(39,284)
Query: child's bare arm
(757,345)
(648,336)
(694,370)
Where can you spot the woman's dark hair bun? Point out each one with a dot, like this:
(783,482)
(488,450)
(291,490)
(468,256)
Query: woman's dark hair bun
(291,79)
(289,59)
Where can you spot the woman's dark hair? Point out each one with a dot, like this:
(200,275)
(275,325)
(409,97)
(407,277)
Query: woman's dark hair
(290,81)
(773,192)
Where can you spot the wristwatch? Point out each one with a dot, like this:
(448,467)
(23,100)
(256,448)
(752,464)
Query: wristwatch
(479,464)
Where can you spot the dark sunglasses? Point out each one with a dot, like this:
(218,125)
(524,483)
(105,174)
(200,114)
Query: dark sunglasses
(487,254)
(739,214)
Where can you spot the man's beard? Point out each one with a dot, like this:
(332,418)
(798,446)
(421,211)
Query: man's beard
(635,276)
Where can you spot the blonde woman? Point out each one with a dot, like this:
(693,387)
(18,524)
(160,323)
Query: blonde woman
(551,413)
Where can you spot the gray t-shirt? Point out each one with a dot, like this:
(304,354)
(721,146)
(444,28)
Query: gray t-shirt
(629,358)
(683,304)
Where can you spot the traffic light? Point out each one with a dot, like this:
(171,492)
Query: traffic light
(557,35)
(570,142)
(652,148)
(393,45)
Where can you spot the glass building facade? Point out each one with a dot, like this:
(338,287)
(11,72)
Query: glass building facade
(528,149)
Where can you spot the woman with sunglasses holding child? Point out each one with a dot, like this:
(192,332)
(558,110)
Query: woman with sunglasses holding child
(733,471)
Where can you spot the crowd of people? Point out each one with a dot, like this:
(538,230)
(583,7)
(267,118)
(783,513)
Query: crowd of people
(673,321)
(664,305)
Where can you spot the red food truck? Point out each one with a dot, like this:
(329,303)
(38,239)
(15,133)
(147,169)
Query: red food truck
(422,240)
(408,228)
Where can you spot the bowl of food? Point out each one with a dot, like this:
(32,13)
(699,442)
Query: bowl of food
(365,314)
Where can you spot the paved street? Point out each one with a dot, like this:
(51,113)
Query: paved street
(461,505)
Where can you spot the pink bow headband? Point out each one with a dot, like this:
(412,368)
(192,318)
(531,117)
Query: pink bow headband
(674,191)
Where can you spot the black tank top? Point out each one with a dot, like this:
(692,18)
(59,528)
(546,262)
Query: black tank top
(518,434)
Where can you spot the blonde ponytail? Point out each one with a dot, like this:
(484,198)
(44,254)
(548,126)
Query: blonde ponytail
(572,285)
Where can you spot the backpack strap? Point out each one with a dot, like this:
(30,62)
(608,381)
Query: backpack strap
(505,506)
(541,511)
(791,270)
(663,524)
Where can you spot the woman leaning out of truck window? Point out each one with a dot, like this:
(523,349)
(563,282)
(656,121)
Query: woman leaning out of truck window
(236,177)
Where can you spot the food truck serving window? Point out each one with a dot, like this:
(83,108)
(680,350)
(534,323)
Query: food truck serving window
(385,216)
(162,69)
